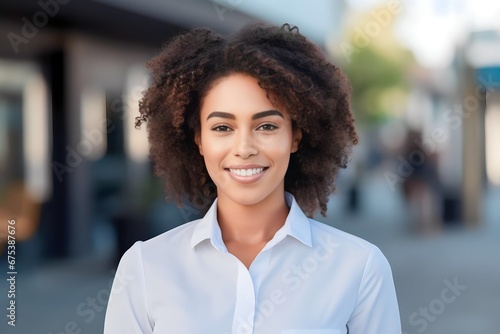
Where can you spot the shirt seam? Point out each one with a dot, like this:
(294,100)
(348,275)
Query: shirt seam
(363,278)
(144,286)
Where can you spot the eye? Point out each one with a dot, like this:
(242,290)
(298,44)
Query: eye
(267,127)
(221,128)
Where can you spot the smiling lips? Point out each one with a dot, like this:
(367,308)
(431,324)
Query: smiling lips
(246,172)
(246,175)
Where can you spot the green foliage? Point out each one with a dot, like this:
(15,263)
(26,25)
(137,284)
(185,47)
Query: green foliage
(378,73)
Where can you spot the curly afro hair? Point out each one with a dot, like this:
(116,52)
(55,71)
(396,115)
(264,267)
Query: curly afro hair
(287,66)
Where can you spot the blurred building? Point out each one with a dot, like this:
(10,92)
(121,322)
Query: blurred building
(456,111)
(481,126)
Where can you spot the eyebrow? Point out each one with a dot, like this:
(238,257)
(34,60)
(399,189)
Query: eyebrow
(221,114)
(267,113)
(255,116)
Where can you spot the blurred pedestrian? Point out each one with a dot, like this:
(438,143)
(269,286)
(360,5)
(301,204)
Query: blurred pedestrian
(421,187)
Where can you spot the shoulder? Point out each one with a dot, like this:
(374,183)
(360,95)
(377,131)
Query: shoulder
(343,239)
(174,237)
(162,246)
(345,245)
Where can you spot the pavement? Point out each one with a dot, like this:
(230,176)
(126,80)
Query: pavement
(447,282)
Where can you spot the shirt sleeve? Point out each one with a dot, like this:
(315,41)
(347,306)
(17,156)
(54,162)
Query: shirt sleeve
(376,310)
(127,310)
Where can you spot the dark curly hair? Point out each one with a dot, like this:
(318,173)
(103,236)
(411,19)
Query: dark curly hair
(289,67)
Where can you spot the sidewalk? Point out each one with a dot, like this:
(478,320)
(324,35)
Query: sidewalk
(61,298)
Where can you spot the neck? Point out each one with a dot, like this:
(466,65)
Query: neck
(251,224)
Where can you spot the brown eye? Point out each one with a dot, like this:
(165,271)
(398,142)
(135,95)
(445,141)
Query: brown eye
(267,127)
(221,128)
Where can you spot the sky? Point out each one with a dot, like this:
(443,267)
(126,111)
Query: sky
(433,28)
(314,18)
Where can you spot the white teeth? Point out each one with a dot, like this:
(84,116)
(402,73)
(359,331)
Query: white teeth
(246,172)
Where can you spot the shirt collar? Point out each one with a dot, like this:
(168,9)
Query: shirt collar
(208,228)
(296,225)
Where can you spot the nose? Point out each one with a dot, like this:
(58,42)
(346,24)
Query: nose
(245,145)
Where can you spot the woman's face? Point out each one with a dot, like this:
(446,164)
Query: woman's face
(245,140)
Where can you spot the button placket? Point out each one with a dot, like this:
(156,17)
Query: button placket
(244,311)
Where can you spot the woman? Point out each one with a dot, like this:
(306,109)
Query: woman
(264,118)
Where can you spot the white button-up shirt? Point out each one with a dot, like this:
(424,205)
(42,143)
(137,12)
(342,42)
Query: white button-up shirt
(310,278)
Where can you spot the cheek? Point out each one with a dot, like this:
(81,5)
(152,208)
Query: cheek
(211,153)
(277,145)
(214,152)
(278,151)
(214,156)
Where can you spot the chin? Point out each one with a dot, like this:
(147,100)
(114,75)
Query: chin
(250,197)
(247,198)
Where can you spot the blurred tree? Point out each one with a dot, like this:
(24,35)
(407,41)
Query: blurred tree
(377,66)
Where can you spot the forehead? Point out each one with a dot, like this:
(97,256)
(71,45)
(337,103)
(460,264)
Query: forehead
(236,93)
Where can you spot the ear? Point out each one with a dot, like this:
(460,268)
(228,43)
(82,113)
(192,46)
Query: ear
(297,137)
(197,140)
